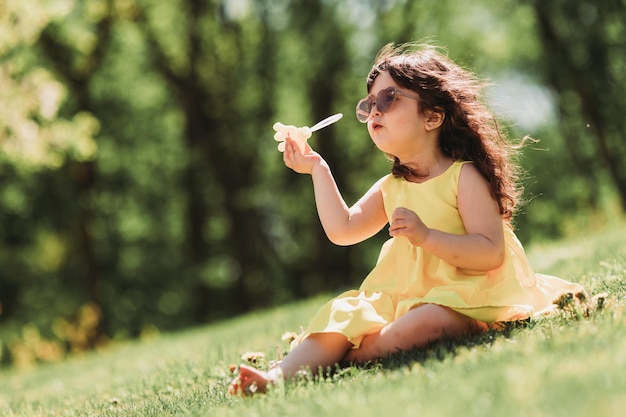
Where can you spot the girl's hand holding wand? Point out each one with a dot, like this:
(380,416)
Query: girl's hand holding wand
(298,155)
(302,163)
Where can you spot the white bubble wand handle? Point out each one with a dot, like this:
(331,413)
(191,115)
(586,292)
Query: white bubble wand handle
(326,122)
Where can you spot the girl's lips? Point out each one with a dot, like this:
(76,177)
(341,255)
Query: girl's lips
(376,126)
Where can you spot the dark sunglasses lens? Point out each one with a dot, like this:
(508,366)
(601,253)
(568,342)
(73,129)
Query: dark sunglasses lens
(385,99)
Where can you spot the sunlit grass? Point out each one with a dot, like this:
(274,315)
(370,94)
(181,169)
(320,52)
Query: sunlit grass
(567,365)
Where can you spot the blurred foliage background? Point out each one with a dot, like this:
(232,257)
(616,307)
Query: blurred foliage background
(141,189)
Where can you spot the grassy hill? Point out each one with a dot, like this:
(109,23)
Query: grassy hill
(566,365)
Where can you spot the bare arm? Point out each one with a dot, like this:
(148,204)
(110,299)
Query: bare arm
(482,248)
(343,225)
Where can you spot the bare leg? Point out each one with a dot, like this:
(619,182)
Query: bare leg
(419,327)
(317,350)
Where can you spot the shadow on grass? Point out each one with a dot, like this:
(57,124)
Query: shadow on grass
(570,308)
(446,348)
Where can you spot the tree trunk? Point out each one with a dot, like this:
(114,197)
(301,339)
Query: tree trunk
(579,56)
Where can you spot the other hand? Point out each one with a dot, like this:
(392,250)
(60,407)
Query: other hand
(406,223)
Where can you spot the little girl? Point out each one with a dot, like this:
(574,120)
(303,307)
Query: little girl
(453,265)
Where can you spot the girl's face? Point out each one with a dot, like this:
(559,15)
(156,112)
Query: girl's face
(397,131)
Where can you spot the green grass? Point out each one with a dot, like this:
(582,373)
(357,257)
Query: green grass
(566,365)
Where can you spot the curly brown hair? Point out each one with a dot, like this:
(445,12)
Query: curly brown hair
(470,131)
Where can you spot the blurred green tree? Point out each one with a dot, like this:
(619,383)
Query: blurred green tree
(40,138)
(583,59)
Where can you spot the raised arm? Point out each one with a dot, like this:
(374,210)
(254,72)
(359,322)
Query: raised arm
(343,225)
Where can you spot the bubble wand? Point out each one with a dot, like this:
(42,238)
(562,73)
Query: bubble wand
(301,134)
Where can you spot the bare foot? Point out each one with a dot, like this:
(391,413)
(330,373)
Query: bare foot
(251,381)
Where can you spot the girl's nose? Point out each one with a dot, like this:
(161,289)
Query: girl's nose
(375,111)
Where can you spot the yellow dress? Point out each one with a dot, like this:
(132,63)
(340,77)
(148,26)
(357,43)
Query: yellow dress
(406,276)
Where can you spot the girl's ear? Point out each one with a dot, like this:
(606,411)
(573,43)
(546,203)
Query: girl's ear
(434,118)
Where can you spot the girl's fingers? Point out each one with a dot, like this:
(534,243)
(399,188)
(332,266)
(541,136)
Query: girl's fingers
(396,225)
(289,148)
(397,218)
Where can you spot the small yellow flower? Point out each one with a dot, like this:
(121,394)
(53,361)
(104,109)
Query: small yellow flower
(289,337)
(253,357)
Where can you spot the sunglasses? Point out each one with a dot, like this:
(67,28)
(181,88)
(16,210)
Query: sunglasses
(383,102)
